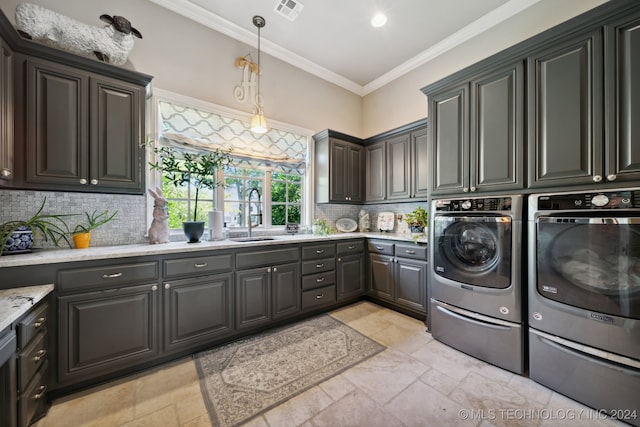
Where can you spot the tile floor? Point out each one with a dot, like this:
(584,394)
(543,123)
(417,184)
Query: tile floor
(417,381)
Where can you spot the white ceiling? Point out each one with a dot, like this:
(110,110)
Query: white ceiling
(334,40)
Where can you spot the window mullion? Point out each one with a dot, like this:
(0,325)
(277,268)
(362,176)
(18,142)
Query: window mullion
(266,200)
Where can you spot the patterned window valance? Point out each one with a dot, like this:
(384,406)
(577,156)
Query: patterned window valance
(198,130)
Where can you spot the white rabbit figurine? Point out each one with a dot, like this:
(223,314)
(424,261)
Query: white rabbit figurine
(159,230)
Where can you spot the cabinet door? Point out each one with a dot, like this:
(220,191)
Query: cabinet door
(56,125)
(338,170)
(285,285)
(8,379)
(355,173)
(565,113)
(116,134)
(411,283)
(6,113)
(420,167)
(450,140)
(350,276)
(253,298)
(376,183)
(398,173)
(623,127)
(497,127)
(107,331)
(196,311)
(381,276)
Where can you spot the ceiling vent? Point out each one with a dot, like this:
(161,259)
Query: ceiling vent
(290,9)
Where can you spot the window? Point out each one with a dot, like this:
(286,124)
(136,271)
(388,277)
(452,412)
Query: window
(275,163)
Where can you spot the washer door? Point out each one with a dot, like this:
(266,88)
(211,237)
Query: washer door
(474,250)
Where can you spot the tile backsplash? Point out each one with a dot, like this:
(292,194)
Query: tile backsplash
(332,212)
(128,227)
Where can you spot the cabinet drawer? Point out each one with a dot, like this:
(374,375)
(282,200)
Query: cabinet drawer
(31,358)
(317,280)
(318,266)
(268,257)
(345,248)
(318,297)
(32,324)
(411,251)
(34,398)
(378,247)
(318,251)
(198,265)
(102,276)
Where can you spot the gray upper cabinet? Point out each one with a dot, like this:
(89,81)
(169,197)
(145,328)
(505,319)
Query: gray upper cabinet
(476,129)
(6,113)
(622,152)
(375,165)
(397,166)
(565,92)
(339,168)
(82,131)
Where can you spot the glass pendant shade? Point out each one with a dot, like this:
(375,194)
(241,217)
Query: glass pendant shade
(258,123)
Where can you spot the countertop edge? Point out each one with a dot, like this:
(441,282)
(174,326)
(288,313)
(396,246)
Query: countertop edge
(17,301)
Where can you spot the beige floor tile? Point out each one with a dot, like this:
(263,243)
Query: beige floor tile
(564,412)
(256,422)
(337,387)
(203,421)
(354,410)
(439,381)
(530,389)
(401,338)
(299,409)
(421,405)
(385,375)
(355,311)
(165,417)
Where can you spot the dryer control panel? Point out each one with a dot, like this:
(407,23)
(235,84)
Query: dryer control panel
(624,199)
(500,204)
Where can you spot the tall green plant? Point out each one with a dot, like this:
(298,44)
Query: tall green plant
(181,167)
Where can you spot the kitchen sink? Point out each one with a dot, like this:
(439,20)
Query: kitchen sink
(252,239)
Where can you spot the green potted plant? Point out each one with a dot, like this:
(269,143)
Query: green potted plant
(19,236)
(82,232)
(417,219)
(182,167)
(320,227)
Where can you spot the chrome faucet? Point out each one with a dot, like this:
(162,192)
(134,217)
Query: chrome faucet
(259,214)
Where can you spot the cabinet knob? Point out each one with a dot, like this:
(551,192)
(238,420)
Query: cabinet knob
(5,172)
(41,392)
(597,178)
(39,322)
(611,177)
(339,259)
(94,181)
(167,285)
(275,269)
(473,189)
(154,288)
(268,269)
(39,355)
(465,189)
(83,181)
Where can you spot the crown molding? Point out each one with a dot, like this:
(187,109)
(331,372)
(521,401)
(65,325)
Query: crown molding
(228,28)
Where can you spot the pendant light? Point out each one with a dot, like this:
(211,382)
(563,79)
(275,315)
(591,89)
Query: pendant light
(258,123)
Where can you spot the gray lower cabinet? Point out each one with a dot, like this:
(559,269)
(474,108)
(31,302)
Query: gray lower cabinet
(350,269)
(8,379)
(398,274)
(285,287)
(197,311)
(318,275)
(107,330)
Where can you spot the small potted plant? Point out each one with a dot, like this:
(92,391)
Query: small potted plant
(82,232)
(320,227)
(417,219)
(19,236)
(182,167)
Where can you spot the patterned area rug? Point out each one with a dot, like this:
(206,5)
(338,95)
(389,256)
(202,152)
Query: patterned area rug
(243,379)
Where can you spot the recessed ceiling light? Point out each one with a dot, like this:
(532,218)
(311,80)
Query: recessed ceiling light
(378,20)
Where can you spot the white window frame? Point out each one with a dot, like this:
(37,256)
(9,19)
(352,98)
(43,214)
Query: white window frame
(154,177)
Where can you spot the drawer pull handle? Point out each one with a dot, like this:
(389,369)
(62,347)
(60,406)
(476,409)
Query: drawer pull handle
(41,393)
(319,296)
(39,322)
(320,251)
(320,280)
(319,265)
(40,355)
(351,247)
(410,252)
(379,248)
(204,264)
(111,276)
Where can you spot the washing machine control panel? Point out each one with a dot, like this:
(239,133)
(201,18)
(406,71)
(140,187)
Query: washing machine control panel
(500,204)
(628,199)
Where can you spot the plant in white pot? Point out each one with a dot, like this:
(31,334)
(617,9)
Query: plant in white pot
(182,167)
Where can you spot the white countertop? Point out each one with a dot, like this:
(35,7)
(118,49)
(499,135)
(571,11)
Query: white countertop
(17,301)
(52,256)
